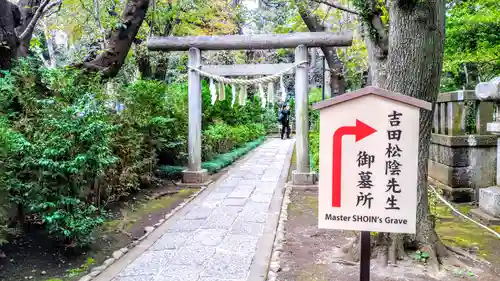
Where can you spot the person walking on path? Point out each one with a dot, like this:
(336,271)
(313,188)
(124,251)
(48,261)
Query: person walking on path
(284,118)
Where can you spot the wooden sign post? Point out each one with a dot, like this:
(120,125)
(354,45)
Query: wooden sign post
(368,164)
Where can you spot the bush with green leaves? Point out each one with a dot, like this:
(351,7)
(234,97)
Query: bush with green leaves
(221,138)
(11,144)
(65,153)
(65,138)
(314,150)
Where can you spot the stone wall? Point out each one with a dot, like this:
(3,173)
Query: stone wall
(459,165)
(462,156)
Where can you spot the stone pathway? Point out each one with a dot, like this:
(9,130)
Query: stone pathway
(224,234)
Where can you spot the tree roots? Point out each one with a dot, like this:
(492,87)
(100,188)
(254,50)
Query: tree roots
(391,248)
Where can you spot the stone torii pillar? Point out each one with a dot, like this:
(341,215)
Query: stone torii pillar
(194,173)
(302,175)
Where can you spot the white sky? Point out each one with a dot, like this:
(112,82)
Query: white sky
(250,4)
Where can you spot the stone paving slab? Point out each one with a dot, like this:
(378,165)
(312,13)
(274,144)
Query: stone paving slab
(217,237)
(150,263)
(135,278)
(171,241)
(208,237)
(229,265)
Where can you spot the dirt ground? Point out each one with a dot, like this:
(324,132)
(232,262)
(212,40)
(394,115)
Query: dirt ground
(310,254)
(31,257)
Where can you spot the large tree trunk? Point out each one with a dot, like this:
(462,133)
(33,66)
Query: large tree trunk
(408,60)
(17,24)
(416,46)
(28,10)
(10,18)
(112,58)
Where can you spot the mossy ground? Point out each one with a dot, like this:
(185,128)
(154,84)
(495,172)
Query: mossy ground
(453,231)
(140,209)
(464,234)
(309,250)
(307,245)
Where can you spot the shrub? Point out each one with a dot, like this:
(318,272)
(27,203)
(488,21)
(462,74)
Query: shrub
(65,153)
(66,158)
(314,150)
(153,126)
(63,139)
(217,138)
(221,138)
(314,96)
(11,143)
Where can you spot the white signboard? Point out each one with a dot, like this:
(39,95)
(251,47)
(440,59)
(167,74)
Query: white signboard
(368,164)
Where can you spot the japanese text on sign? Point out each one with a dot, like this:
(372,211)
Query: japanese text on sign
(365,197)
(392,163)
(369,166)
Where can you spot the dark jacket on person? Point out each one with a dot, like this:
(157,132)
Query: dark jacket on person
(285,116)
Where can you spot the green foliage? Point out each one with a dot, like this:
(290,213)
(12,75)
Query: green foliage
(315,95)
(221,138)
(74,272)
(472,46)
(421,256)
(433,202)
(61,144)
(11,143)
(314,150)
(216,164)
(65,153)
(224,160)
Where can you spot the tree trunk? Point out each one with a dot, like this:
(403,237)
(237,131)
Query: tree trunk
(28,10)
(17,23)
(143,63)
(416,46)
(112,58)
(377,63)
(49,38)
(337,82)
(10,18)
(409,61)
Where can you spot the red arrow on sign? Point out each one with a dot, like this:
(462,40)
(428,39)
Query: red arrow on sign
(361,131)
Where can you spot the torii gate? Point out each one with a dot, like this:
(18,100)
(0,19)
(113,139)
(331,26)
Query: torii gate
(303,175)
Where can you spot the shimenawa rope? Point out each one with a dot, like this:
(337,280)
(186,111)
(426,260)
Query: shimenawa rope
(240,82)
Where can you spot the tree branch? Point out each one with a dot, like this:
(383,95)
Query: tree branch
(370,14)
(326,15)
(50,6)
(335,64)
(38,14)
(336,6)
(85,7)
(383,39)
(314,26)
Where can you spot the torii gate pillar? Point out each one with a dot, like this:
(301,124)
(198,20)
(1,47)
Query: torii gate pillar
(194,174)
(303,174)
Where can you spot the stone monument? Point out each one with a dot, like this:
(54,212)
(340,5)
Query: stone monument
(489,198)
